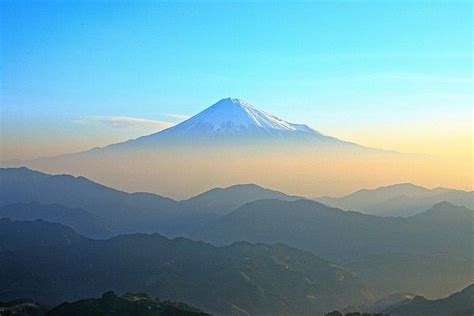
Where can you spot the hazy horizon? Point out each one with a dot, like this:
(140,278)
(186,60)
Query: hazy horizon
(167,163)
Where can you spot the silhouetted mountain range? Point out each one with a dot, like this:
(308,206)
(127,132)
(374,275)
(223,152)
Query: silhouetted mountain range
(404,199)
(138,304)
(124,212)
(51,263)
(130,304)
(428,254)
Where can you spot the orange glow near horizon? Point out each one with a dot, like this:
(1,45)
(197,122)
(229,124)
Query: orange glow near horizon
(300,172)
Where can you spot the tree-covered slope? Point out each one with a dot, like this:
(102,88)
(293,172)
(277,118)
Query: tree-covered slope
(52,263)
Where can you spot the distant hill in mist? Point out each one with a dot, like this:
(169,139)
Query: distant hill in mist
(339,235)
(430,253)
(222,201)
(404,199)
(460,303)
(432,276)
(122,212)
(82,221)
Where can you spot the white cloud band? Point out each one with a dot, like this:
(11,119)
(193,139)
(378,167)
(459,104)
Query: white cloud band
(125,122)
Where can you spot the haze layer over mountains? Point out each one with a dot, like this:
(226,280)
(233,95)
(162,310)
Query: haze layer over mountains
(428,254)
(233,142)
(403,199)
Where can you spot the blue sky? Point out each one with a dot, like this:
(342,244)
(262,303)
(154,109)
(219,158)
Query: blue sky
(347,68)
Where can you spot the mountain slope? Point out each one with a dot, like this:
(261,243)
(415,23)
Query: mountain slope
(138,304)
(234,119)
(78,219)
(121,211)
(379,248)
(375,196)
(22,307)
(52,263)
(336,234)
(403,199)
(221,201)
(428,275)
(457,304)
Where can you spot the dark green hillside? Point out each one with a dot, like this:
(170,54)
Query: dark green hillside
(52,263)
(126,305)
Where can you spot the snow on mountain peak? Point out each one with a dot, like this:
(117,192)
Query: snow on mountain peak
(236,115)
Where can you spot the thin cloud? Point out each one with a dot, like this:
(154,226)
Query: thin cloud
(177,116)
(125,122)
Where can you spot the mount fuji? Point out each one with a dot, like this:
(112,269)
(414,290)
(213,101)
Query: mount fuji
(236,117)
(233,121)
(230,142)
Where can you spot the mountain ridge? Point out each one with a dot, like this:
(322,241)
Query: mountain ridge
(79,219)
(400,199)
(313,226)
(259,279)
(224,200)
(126,212)
(435,244)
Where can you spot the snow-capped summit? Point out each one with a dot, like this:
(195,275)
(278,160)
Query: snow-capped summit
(233,118)
(236,114)
(231,122)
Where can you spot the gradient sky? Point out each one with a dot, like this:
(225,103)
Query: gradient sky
(388,74)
